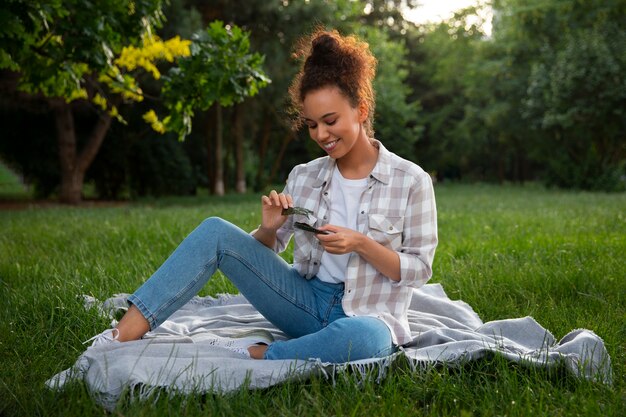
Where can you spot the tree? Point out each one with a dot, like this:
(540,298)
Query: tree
(569,64)
(64,52)
(444,56)
(273,28)
(577,96)
(542,97)
(397,118)
(220,71)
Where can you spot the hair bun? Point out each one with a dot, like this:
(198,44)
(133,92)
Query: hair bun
(324,50)
(325,43)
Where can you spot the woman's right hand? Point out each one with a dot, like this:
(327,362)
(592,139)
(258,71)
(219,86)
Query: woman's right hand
(272,206)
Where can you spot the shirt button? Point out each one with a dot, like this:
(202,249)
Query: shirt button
(314,263)
(362,211)
(390,227)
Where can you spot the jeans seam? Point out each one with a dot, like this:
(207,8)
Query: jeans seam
(335,300)
(183,290)
(267,282)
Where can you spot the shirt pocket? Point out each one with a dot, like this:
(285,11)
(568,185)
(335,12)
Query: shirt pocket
(386,230)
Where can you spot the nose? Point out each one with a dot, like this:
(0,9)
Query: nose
(321,132)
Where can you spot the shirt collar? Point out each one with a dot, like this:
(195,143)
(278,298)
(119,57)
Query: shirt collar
(381,171)
(326,171)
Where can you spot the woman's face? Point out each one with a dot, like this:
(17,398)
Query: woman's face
(332,121)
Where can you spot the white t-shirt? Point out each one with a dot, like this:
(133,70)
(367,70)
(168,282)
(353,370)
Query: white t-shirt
(345,196)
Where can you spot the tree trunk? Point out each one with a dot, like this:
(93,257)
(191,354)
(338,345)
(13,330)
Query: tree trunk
(281,154)
(501,168)
(74,165)
(263,145)
(218,185)
(240,186)
(210,146)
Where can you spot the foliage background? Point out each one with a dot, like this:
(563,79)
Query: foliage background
(541,98)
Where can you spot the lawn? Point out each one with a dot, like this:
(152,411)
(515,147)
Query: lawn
(508,251)
(11,187)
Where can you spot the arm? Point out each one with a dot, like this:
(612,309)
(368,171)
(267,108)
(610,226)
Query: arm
(419,235)
(272,206)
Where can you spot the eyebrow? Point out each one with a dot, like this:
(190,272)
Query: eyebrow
(323,117)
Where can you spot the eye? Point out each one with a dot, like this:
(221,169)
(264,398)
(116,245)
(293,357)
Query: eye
(311,125)
(331,122)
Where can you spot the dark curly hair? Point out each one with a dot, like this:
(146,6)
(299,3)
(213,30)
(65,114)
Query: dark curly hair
(330,59)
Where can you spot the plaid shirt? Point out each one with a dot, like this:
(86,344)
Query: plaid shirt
(397,210)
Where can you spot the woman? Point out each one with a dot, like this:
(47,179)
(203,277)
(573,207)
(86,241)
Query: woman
(346,295)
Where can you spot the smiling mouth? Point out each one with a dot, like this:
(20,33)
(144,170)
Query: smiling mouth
(330,145)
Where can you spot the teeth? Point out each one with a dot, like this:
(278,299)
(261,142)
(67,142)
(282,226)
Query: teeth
(330,144)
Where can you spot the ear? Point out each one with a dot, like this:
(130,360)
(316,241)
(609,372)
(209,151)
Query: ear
(364,112)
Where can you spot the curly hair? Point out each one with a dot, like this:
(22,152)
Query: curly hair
(330,59)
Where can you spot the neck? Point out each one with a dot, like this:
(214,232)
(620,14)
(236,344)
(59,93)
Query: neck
(360,161)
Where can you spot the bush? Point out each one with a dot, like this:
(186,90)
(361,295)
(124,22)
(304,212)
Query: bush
(576,100)
(159,166)
(109,171)
(31,149)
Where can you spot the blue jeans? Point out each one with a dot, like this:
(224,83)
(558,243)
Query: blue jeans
(308,311)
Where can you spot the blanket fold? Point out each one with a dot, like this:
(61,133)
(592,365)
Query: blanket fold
(177,358)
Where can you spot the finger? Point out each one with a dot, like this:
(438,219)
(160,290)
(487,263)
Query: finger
(289,200)
(328,239)
(267,201)
(330,250)
(283,200)
(330,228)
(337,250)
(274,198)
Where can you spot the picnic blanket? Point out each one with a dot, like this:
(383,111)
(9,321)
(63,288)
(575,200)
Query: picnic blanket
(178,356)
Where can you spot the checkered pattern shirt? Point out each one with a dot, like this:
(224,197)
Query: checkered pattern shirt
(397,210)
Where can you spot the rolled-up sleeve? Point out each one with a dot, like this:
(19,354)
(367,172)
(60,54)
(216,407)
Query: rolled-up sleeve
(419,235)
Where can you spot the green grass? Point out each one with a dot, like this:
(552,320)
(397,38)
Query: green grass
(508,251)
(10,185)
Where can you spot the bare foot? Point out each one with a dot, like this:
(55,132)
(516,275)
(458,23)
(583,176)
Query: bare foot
(133,325)
(257,351)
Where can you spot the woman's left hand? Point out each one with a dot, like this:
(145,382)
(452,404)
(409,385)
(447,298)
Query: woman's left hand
(341,240)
